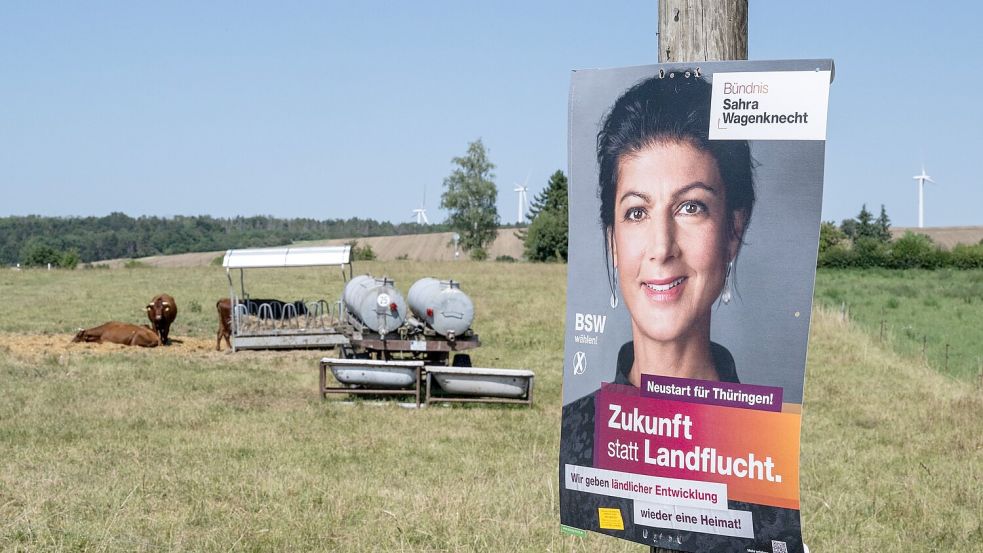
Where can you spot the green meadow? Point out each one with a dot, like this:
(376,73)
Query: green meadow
(917,312)
(105,448)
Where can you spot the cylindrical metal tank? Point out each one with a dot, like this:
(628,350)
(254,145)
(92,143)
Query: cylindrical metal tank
(441,305)
(375,302)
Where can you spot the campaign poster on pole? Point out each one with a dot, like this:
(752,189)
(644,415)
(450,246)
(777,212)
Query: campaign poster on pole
(695,204)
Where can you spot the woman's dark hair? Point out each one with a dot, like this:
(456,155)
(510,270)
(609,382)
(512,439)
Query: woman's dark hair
(672,107)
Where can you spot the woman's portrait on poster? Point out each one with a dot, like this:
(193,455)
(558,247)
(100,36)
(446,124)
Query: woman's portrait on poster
(674,208)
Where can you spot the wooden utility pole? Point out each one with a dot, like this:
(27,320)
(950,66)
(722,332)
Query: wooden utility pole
(701,30)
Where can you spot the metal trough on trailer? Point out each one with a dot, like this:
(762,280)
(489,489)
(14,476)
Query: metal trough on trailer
(274,324)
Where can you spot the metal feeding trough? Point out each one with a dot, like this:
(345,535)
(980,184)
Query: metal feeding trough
(368,377)
(479,384)
(375,374)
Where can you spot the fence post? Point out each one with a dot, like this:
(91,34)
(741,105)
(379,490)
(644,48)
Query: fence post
(882,330)
(947,357)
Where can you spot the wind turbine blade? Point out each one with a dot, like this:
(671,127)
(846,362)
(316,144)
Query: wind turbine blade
(929,179)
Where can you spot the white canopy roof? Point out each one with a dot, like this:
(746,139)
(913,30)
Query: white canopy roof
(287,257)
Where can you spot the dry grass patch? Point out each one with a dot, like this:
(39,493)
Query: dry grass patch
(892,456)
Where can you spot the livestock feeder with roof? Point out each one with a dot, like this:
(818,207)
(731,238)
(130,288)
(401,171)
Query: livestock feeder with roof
(261,323)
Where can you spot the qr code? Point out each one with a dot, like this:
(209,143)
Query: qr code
(778,547)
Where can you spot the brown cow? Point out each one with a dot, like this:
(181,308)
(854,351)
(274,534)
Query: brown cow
(162,311)
(224,307)
(119,333)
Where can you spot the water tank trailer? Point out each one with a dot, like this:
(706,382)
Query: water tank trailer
(436,324)
(391,353)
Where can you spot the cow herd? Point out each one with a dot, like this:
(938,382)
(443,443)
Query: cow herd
(162,310)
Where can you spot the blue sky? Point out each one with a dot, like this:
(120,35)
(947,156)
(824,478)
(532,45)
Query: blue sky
(341,109)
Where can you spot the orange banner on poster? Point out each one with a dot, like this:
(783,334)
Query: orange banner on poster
(754,453)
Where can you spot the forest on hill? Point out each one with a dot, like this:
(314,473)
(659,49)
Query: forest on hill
(68,241)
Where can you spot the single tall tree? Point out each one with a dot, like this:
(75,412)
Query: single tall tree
(882,226)
(470,195)
(547,237)
(551,198)
(865,224)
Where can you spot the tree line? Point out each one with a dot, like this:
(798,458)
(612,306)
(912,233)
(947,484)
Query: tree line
(865,241)
(66,241)
(469,196)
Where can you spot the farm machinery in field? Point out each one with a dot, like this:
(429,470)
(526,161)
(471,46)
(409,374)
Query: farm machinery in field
(387,344)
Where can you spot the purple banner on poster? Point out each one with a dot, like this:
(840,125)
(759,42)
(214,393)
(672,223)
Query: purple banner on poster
(725,394)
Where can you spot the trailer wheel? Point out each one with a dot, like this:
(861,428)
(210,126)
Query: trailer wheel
(461,360)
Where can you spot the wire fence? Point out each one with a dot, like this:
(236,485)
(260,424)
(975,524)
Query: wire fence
(959,358)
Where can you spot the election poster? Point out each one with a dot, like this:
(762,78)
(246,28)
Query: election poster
(695,198)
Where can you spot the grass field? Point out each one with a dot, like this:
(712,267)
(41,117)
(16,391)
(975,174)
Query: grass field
(104,448)
(917,312)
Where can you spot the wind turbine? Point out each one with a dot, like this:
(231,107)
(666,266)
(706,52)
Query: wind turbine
(421,212)
(523,200)
(922,179)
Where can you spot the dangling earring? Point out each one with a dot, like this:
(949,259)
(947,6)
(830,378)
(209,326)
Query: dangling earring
(725,295)
(614,288)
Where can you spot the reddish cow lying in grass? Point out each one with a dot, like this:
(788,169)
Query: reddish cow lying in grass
(224,307)
(119,333)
